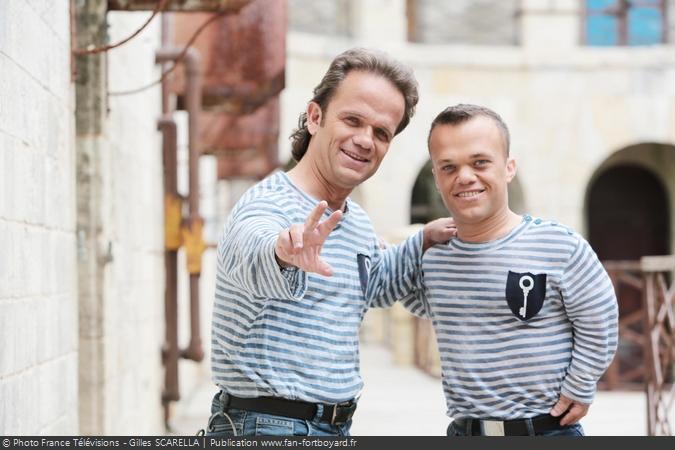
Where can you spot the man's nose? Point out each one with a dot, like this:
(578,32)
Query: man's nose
(466,175)
(364,138)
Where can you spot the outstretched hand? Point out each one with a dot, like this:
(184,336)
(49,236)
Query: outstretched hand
(300,244)
(573,411)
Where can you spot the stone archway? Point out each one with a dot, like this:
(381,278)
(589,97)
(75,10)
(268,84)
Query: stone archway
(426,203)
(628,205)
(628,216)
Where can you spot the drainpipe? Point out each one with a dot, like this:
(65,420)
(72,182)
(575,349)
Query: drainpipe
(172,241)
(192,230)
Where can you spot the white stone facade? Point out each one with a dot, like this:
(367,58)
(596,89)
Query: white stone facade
(569,107)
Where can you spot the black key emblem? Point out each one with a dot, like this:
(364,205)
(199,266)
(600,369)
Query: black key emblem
(525,293)
(363,262)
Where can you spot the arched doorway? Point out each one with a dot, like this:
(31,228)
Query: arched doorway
(628,214)
(426,203)
(628,217)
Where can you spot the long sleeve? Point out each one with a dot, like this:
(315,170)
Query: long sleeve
(394,273)
(246,254)
(416,303)
(591,306)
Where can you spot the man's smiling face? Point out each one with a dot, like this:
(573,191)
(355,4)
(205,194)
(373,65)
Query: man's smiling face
(471,169)
(352,135)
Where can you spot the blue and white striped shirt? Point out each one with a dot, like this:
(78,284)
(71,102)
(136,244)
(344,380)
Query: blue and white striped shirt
(289,333)
(497,363)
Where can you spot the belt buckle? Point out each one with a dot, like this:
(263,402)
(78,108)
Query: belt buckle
(334,414)
(492,427)
(332,417)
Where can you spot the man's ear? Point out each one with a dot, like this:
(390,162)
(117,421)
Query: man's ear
(314,116)
(510,169)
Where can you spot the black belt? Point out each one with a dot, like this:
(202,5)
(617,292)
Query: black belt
(334,414)
(517,427)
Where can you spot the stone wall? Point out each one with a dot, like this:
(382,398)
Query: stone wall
(123,338)
(38,288)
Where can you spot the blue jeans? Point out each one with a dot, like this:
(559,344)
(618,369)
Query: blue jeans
(250,423)
(570,430)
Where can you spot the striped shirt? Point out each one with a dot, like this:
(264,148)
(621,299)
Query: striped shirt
(291,334)
(503,362)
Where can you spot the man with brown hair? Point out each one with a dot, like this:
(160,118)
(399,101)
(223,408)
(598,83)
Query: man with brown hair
(299,263)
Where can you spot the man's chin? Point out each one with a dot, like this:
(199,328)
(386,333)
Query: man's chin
(466,217)
(352,178)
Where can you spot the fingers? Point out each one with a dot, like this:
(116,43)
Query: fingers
(576,412)
(323,268)
(449,227)
(329,224)
(314,217)
(283,249)
(296,232)
(439,231)
(561,406)
(300,245)
(573,411)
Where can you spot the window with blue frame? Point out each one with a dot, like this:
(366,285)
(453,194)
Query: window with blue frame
(625,22)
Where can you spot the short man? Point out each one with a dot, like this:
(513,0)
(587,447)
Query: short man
(524,313)
(299,263)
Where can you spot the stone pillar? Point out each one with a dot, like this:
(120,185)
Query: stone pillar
(550,24)
(89,145)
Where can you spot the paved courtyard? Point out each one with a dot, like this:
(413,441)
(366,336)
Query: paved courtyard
(403,401)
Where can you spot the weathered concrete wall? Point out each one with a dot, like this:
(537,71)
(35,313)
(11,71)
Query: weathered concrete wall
(125,335)
(38,289)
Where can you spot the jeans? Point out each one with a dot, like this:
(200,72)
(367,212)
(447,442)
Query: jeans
(569,430)
(251,423)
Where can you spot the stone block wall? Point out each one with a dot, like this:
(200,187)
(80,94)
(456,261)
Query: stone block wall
(38,288)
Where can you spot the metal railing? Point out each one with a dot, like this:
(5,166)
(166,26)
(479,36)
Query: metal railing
(659,292)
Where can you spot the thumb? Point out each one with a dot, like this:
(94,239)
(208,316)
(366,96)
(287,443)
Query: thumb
(561,406)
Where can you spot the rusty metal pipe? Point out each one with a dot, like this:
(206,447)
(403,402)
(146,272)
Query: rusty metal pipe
(191,62)
(170,354)
(166,37)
